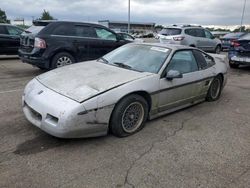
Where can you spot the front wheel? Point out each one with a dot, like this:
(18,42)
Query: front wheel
(215,88)
(218,50)
(129,116)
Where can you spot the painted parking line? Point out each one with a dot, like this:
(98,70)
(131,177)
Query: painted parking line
(10,91)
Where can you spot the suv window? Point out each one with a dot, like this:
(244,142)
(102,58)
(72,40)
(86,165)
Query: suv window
(2,30)
(195,32)
(183,61)
(190,32)
(200,33)
(84,31)
(105,34)
(208,35)
(63,29)
(14,30)
(170,31)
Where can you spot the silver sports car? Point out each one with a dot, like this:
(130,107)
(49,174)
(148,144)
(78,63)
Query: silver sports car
(122,90)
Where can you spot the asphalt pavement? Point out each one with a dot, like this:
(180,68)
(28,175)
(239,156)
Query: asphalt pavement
(207,145)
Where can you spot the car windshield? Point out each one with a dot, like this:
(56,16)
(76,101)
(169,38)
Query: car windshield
(142,58)
(170,31)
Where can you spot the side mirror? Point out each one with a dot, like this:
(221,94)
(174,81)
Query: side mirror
(173,74)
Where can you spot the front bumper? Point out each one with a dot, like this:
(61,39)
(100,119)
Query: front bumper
(60,116)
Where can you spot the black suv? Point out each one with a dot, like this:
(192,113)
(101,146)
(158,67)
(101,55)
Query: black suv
(49,45)
(9,39)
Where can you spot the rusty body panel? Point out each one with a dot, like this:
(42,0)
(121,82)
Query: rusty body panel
(78,100)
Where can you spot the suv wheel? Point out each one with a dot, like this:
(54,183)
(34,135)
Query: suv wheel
(218,49)
(62,59)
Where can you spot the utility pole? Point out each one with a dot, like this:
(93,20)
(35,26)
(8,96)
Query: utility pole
(128,16)
(243,13)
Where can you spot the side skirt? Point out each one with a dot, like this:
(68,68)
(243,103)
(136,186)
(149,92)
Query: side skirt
(153,116)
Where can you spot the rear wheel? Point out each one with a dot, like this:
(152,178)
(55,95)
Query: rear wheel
(233,65)
(218,49)
(215,88)
(62,59)
(129,116)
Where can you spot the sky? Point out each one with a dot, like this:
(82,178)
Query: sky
(204,12)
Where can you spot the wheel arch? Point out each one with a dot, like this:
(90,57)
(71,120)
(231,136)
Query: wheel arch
(72,53)
(141,93)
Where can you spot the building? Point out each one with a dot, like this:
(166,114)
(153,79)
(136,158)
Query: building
(122,26)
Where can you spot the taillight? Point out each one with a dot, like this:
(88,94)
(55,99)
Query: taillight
(39,43)
(235,43)
(178,38)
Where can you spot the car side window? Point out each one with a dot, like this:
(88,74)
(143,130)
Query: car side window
(13,31)
(208,34)
(105,34)
(200,33)
(127,37)
(84,31)
(63,30)
(3,30)
(183,61)
(191,32)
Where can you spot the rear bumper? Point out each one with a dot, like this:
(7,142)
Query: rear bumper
(237,58)
(34,58)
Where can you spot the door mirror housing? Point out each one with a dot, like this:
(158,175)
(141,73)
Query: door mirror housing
(173,74)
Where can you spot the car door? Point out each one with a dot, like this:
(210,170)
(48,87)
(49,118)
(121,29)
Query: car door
(210,43)
(200,38)
(85,42)
(106,42)
(180,91)
(3,40)
(13,39)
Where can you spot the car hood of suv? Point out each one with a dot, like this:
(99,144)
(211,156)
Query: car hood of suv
(85,80)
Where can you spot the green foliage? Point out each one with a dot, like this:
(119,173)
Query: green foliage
(218,29)
(3,17)
(46,16)
(242,29)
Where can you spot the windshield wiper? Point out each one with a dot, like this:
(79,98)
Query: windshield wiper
(103,59)
(123,65)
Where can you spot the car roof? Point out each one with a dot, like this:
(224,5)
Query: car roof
(85,23)
(170,46)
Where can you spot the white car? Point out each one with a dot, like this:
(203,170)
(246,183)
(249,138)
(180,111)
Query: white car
(121,90)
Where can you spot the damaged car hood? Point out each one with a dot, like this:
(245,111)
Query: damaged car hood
(82,81)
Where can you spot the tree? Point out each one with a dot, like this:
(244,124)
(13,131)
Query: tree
(46,16)
(3,17)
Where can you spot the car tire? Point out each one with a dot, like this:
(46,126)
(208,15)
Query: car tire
(129,116)
(217,49)
(62,59)
(233,65)
(215,89)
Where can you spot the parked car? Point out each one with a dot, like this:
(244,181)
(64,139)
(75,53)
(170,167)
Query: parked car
(227,39)
(239,52)
(189,35)
(123,89)
(61,43)
(9,39)
(128,37)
